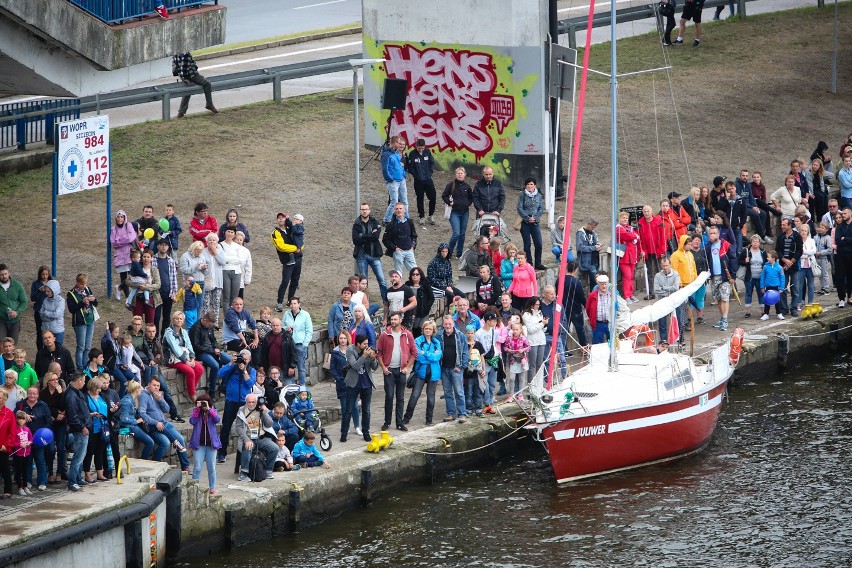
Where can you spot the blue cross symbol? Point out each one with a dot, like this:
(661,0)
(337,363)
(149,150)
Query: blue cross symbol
(72,169)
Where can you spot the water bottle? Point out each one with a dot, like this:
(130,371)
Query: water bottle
(110,459)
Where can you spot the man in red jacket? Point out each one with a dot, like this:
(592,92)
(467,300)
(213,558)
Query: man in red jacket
(202,224)
(652,244)
(397,353)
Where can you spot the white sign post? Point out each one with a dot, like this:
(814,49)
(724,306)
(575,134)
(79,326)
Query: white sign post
(81,161)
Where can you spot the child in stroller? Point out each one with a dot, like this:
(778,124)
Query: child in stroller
(301,410)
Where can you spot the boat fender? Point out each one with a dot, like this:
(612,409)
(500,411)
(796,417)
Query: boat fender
(736,346)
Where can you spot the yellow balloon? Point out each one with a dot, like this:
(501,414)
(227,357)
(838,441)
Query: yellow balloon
(149,233)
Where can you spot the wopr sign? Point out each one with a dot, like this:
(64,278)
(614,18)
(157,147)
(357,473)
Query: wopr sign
(82,148)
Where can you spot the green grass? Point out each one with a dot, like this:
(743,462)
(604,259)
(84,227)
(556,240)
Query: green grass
(225,47)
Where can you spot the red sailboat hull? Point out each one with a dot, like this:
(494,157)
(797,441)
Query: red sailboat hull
(589,445)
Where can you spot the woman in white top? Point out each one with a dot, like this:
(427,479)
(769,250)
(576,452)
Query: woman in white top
(214,257)
(805,275)
(245,263)
(535,323)
(232,270)
(787,198)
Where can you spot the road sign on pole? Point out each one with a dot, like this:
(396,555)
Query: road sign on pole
(81,161)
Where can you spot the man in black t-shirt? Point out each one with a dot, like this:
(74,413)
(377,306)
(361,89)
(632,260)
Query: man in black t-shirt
(400,298)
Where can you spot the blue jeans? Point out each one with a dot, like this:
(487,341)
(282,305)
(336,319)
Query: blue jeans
(39,453)
(356,413)
(83,333)
(300,363)
(795,293)
(681,321)
(365,263)
(141,437)
(169,434)
(472,395)
(805,276)
(122,377)
(453,392)
(397,193)
(205,454)
(209,361)
(845,202)
(267,447)
(458,222)
(751,285)
(601,332)
(431,387)
(79,443)
(579,324)
(403,261)
(349,409)
(561,368)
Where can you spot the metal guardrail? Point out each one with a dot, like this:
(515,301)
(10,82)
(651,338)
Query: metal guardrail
(18,128)
(571,26)
(116,11)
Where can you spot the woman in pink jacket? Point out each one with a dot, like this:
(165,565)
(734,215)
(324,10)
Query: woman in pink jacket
(122,234)
(524,282)
(627,239)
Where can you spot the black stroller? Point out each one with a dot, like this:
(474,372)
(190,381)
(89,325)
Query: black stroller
(313,422)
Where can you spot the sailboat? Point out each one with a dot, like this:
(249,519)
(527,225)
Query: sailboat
(627,406)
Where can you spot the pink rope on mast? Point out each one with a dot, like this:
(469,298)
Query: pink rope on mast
(569,201)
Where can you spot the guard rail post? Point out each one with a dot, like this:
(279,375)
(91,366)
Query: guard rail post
(820,3)
(741,9)
(276,88)
(166,102)
(572,36)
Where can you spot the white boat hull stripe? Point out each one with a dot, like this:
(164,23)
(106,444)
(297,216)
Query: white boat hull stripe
(647,421)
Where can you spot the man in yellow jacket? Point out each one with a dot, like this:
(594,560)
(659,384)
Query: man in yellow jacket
(683,262)
(282,238)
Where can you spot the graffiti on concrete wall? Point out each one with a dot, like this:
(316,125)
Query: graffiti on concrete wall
(471,104)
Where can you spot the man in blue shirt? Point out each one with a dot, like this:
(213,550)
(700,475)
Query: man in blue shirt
(394,174)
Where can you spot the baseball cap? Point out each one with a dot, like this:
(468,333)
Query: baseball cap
(392,272)
(280,214)
(602,279)
(673,194)
(299,217)
(718,179)
(489,316)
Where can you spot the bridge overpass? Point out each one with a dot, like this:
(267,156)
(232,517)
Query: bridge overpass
(55,48)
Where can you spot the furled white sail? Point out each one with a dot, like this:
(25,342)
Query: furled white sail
(665,306)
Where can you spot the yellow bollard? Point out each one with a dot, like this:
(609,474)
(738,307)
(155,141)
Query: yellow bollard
(373,444)
(387,439)
(124,460)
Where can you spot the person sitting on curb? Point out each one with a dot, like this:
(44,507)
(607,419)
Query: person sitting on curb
(254,427)
(306,452)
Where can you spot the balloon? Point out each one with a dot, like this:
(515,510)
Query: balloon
(164,224)
(771,297)
(557,250)
(43,437)
(149,233)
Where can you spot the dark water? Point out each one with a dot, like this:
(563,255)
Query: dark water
(772,489)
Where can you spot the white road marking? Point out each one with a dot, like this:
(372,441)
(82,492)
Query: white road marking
(281,55)
(320,4)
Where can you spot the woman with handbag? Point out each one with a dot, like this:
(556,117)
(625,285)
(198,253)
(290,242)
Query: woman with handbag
(82,304)
(427,372)
(53,394)
(418,282)
(751,261)
(458,196)
(338,367)
(128,417)
(100,435)
(530,208)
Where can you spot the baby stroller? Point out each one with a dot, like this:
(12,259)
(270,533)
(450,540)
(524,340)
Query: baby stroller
(490,225)
(313,422)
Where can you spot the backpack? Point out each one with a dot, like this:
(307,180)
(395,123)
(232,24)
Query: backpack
(257,468)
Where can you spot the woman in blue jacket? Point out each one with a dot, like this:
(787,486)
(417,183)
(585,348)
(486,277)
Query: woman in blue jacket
(428,371)
(338,369)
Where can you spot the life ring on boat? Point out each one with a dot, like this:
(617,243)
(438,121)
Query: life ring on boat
(736,346)
(638,334)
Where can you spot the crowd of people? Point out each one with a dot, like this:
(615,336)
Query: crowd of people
(189,314)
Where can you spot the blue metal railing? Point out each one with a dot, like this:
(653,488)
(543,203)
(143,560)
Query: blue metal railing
(116,11)
(17,131)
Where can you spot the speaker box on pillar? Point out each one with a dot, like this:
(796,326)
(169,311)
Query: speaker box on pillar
(396,91)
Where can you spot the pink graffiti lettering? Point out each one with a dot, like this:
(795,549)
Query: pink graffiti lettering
(451,97)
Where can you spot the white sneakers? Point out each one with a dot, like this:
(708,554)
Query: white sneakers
(841,303)
(780,316)
(764,317)
(358,430)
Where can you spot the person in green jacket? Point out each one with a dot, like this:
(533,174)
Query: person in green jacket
(26,374)
(13,301)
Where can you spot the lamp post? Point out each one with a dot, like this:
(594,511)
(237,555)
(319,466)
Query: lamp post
(358,64)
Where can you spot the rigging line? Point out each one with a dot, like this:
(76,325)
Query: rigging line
(816,334)
(626,153)
(657,134)
(572,183)
(416,451)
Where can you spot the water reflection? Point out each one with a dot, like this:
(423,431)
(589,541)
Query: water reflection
(772,489)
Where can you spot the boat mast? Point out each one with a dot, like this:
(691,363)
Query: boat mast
(613,82)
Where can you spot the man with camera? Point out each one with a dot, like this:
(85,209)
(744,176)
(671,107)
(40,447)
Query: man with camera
(253,425)
(238,377)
